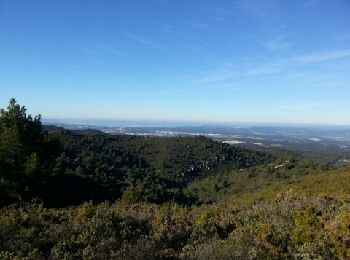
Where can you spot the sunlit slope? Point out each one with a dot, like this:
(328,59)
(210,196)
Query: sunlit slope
(237,183)
(334,184)
(306,219)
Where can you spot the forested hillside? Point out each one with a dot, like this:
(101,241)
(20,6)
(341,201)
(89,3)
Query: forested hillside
(94,166)
(87,195)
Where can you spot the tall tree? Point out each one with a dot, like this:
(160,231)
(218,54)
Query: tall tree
(25,152)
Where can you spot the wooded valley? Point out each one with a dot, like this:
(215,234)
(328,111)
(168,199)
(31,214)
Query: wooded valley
(88,195)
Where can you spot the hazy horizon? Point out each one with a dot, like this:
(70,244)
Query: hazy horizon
(188,61)
(180,123)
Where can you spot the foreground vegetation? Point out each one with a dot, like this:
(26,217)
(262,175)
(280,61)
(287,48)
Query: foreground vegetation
(291,223)
(69,195)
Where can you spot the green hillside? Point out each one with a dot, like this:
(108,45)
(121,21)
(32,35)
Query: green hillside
(239,182)
(177,157)
(94,166)
(78,195)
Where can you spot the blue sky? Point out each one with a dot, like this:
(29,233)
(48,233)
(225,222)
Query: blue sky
(200,60)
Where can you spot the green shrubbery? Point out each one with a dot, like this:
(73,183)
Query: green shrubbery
(288,225)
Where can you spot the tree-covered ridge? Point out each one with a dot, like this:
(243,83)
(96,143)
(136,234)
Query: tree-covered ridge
(181,158)
(98,167)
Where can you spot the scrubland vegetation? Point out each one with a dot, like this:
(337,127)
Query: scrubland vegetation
(69,195)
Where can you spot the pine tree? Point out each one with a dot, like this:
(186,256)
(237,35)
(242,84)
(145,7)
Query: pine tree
(24,149)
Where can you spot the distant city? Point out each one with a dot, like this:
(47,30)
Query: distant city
(258,134)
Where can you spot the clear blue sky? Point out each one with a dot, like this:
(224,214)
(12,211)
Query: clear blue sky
(200,60)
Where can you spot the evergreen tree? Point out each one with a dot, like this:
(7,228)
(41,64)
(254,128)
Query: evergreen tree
(26,154)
